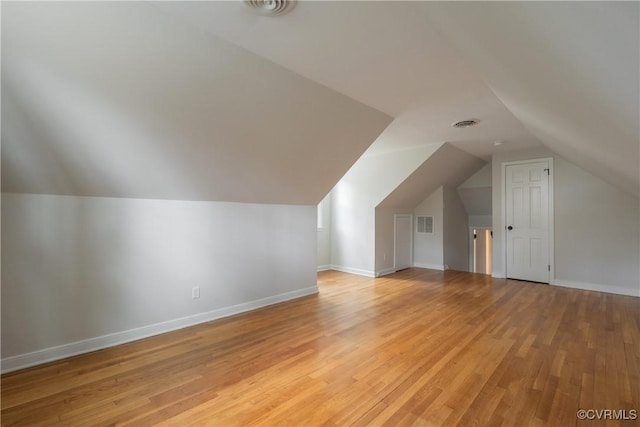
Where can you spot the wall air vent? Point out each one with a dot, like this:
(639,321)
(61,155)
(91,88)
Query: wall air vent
(271,7)
(424,224)
(465,123)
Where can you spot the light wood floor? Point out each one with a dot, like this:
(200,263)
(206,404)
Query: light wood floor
(417,347)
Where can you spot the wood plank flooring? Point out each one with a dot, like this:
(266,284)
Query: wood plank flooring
(419,347)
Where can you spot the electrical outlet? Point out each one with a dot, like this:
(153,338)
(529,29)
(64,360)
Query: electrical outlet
(195,292)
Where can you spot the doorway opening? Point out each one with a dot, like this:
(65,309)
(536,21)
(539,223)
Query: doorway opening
(403,242)
(481,250)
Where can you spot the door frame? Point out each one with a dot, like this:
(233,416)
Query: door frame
(395,238)
(503,219)
(471,245)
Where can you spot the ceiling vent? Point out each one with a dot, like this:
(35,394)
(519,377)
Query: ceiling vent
(465,123)
(271,7)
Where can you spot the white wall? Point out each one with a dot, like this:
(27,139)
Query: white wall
(385,238)
(448,246)
(355,198)
(447,166)
(480,221)
(456,231)
(428,249)
(324,235)
(597,231)
(76,269)
(475,193)
(597,236)
(352,229)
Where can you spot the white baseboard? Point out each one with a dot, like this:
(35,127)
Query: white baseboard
(430,266)
(324,268)
(350,270)
(79,347)
(498,275)
(597,287)
(385,271)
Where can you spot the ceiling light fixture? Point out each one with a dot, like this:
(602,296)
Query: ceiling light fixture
(271,7)
(465,123)
(498,143)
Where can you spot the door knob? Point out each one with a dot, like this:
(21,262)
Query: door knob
(509,228)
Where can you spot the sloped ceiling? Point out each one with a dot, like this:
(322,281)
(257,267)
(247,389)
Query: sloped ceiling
(122,100)
(476,201)
(476,192)
(447,166)
(569,71)
(381,53)
(561,74)
(184,99)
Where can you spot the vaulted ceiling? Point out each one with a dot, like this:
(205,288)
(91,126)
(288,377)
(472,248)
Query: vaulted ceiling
(569,71)
(208,101)
(122,100)
(382,53)
(448,166)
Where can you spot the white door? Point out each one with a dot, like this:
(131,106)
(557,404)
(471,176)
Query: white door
(527,221)
(402,252)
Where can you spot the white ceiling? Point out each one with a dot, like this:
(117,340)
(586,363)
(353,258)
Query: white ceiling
(564,74)
(569,71)
(135,99)
(382,54)
(121,100)
(448,166)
